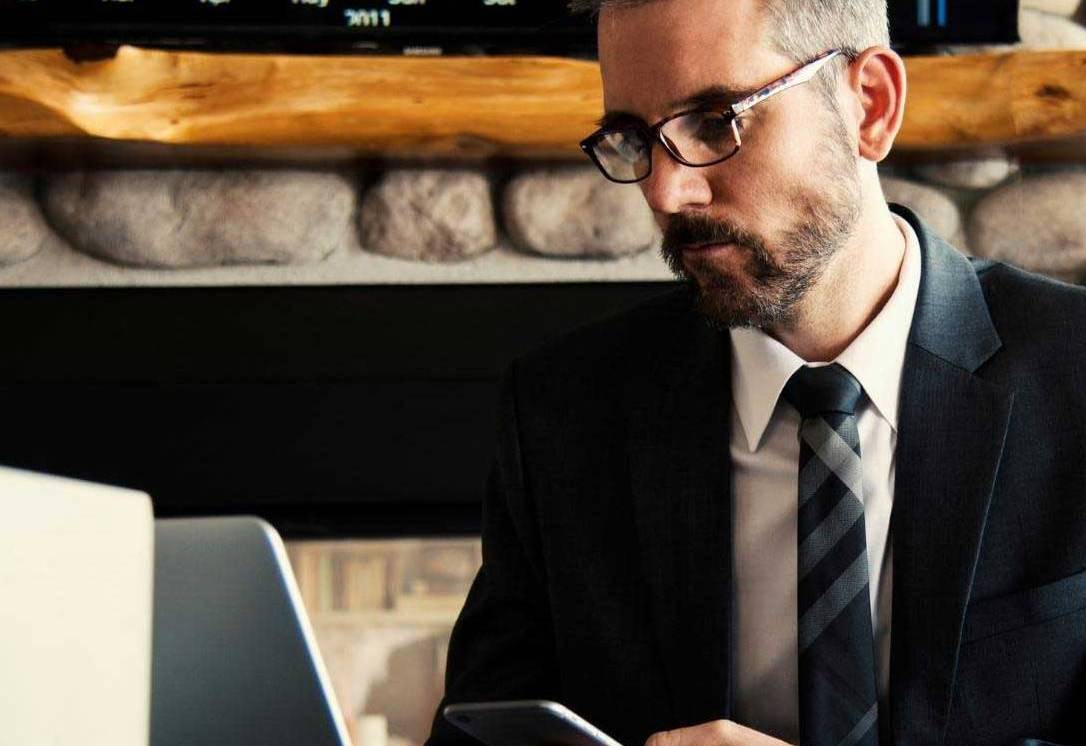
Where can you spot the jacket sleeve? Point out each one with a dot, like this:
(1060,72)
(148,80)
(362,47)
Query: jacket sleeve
(502,645)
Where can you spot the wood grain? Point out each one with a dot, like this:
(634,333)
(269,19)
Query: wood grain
(1014,99)
(467,106)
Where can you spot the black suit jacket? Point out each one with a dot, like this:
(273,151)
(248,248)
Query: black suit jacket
(606,582)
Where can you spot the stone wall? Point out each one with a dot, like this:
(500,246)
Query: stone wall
(550,222)
(558,222)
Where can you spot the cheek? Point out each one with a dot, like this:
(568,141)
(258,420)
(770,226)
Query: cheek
(788,147)
(756,184)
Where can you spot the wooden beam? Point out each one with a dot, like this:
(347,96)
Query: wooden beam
(442,106)
(983,100)
(465,106)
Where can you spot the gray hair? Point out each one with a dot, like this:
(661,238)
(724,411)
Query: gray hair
(802,29)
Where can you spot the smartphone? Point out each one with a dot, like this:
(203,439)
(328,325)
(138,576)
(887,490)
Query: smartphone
(534,722)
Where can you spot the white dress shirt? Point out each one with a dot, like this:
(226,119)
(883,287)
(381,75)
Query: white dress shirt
(765,457)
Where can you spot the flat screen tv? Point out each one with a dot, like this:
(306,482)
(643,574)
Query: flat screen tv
(409,26)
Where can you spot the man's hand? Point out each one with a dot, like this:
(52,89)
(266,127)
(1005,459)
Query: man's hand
(716,733)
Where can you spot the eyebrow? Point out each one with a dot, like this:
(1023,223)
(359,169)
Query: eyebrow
(714,94)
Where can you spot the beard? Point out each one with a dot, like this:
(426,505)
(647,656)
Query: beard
(774,283)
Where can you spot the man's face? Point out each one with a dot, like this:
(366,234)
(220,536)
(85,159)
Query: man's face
(784,203)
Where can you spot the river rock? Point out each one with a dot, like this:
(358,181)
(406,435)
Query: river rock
(23,230)
(976,173)
(1037,223)
(938,210)
(1038,31)
(575,212)
(430,215)
(1066,8)
(198,218)
(1049,31)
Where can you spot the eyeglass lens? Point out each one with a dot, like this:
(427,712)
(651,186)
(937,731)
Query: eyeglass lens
(699,138)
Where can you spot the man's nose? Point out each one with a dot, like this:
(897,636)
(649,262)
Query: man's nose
(673,187)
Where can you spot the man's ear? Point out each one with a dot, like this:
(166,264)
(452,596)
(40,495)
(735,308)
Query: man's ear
(876,80)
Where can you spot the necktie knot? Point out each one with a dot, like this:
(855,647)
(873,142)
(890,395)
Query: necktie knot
(829,388)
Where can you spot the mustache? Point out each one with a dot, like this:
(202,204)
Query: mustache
(690,230)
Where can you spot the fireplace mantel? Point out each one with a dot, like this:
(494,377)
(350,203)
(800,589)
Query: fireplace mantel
(1032,104)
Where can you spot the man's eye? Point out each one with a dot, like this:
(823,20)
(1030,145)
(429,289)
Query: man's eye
(714,127)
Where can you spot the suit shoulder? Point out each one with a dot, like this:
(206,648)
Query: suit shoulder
(1006,282)
(1033,306)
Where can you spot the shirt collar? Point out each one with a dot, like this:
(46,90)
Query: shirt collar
(761,366)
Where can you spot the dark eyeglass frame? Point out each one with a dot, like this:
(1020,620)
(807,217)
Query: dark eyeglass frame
(652,133)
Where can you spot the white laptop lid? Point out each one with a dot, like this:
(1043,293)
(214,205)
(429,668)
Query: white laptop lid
(235,661)
(75,612)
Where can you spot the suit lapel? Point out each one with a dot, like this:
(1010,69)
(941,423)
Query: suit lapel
(680,480)
(951,432)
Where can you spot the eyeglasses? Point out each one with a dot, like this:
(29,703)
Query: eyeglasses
(696,137)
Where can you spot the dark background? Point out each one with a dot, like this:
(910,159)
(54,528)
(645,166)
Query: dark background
(330,411)
(454,26)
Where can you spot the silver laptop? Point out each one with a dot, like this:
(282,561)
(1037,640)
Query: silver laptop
(235,661)
(75,612)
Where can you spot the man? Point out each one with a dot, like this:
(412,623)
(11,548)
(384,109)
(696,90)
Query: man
(828,491)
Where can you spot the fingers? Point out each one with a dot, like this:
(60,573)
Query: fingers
(715,733)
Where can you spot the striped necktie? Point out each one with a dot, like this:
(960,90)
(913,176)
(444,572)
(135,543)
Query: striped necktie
(838,703)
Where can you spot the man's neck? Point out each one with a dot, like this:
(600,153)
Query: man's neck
(859,280)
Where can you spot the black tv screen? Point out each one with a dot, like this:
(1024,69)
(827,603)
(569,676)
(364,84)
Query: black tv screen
(407,26)
(924,22)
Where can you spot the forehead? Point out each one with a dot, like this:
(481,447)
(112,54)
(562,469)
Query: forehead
(664,51)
